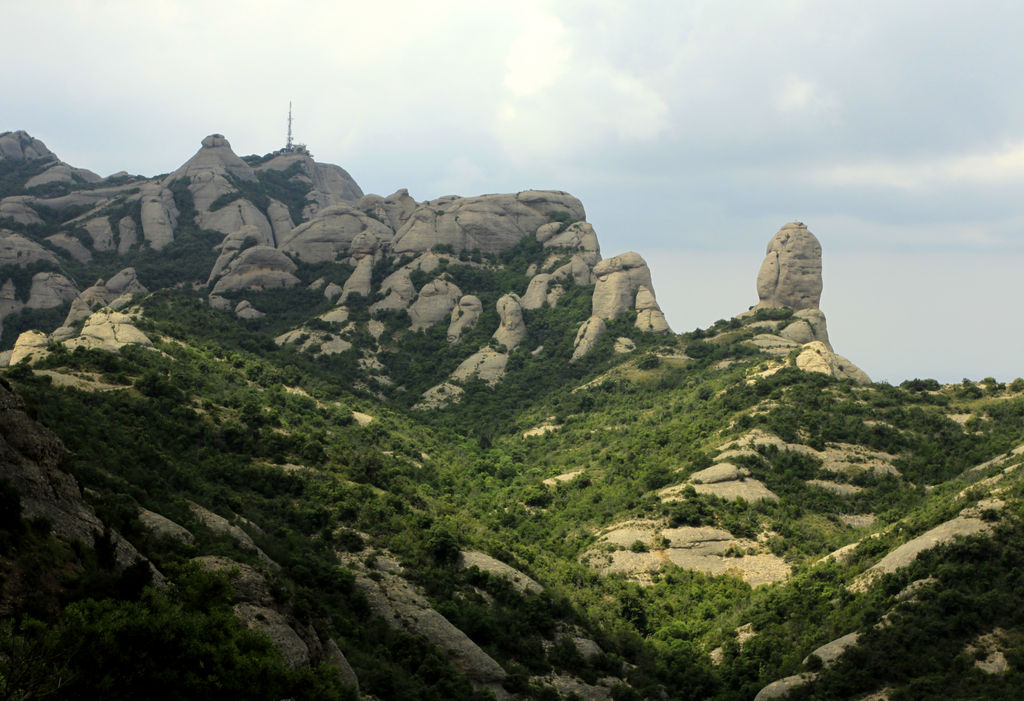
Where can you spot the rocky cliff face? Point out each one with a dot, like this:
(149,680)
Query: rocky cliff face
(31,461)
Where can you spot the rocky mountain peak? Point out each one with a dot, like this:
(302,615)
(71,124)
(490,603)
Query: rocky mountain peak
(22,146)
(790,275)
(215,157)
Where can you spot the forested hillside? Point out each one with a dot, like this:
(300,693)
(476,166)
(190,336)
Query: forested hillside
(264,436)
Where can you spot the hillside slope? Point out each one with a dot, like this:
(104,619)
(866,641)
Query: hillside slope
(360,445)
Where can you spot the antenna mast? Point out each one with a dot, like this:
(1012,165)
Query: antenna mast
(288,146)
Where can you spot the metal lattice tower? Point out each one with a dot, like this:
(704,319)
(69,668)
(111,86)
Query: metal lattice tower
(288,145)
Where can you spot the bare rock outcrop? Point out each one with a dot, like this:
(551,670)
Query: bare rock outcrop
(159,215)
(402,606)
(649,316)
(393,210)
(790,275)
(329,184)
(486,563)
(624,283)
(618,280)
(214,157)
(211,175)
(537,292)
(512,330)
(359,282)
(579,237)
(30,346)
(101,233)
(464,316)
(486,364)
(329,236)
(22,146)
(72,246)
(816,357)
(257,268)
(110,331)
(245,310)
(15,249)
(20,210)
(590,332)
(50,290)
(164,527)
(116,292)
(62,173)
(434,303)
(398,291)
(807,325)
(128,235)
(490,223)
(280,220)
(233,244)
(236,214)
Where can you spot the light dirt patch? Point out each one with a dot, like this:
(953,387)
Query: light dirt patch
(88,382)
(702,549)
(562,478)
(991,645)
(857,520)
(748,489)
(361,418)
(541,430)
(843,490)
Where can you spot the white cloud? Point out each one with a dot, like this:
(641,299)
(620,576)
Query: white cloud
(563,96)
(1005,165)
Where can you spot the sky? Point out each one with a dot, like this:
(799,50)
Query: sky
(691,131)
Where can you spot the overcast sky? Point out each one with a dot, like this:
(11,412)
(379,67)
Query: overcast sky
(691,131)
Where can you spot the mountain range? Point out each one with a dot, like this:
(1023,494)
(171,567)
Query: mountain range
(258,425)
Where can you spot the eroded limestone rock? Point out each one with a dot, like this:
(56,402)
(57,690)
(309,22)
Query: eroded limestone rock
(816,357)
(512,330)
(464,316)
(589,333)
(790,274)
(257,268)
(330,235)
(490,223)
(434,303)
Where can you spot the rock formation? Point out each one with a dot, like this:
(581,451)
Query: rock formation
(257,268)
(329,184)
(490,223)
(623,284)
(329,236)
(21,146)
(512,331)
(790,275)
(579,237)
(590,332)
(464,316)
(159,215)
(393,210)
(434,303)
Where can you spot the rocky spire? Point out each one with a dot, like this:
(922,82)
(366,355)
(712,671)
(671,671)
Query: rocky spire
(791,272)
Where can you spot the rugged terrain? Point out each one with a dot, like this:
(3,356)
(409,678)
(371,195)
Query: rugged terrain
(258,425)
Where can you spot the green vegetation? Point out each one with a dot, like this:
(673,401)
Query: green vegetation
(536,471)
